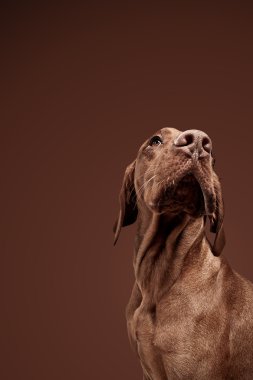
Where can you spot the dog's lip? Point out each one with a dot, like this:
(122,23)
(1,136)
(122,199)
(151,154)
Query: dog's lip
(209,197)
(188,178)
(192,179)
(171,191)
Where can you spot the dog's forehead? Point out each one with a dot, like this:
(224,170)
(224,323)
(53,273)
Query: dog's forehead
(166,133)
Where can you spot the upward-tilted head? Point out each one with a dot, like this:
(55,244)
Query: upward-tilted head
(172,173)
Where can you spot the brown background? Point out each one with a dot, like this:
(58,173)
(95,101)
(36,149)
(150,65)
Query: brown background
(82,87)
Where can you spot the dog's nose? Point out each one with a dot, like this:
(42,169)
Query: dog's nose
(195,143)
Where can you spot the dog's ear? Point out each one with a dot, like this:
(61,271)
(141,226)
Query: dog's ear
(216,220)
(127,199)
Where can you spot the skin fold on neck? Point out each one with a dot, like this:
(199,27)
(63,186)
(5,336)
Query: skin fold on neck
(164,246)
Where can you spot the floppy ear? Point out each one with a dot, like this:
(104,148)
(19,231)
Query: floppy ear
(216,221)
(127,199)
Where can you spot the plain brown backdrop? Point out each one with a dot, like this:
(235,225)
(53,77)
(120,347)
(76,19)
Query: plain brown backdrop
(82,86)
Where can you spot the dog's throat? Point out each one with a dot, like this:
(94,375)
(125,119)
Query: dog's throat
(161,250)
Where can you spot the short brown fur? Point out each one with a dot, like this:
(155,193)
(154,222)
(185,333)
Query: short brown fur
(190,316)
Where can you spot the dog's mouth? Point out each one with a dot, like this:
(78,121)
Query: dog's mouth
(189,194)
(186,186)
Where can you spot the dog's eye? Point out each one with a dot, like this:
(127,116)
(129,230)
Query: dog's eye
(156,140)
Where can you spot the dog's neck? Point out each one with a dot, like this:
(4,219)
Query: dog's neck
(164,243)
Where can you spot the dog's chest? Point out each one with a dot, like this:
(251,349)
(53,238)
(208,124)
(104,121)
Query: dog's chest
(150,333)
(152,339)
(142,324)
(168,334)
(141,329)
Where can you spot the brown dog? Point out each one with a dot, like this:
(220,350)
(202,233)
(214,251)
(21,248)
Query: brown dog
(190,316)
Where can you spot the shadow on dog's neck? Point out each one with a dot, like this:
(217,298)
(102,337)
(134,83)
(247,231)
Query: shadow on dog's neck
(166,245)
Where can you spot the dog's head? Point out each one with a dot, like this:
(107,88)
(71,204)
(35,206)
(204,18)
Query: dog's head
(173,173)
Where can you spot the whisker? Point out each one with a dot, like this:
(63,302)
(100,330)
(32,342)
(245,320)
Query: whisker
(150,170)
(142,188)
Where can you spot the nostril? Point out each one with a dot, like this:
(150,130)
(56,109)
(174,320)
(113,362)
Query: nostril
(206,144)
(189,139)
(184,140)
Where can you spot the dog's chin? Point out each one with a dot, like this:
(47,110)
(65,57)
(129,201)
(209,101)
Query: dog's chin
(185,195)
